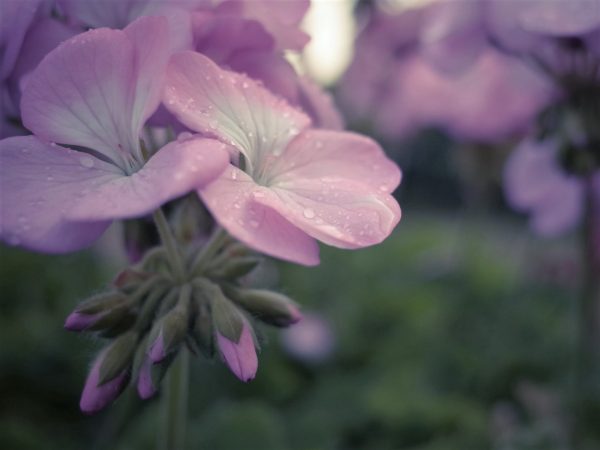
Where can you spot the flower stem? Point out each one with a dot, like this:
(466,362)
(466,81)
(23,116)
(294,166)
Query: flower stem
(210,249)
(174,404)
(170,244)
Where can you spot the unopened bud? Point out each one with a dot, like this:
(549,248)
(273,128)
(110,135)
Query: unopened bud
(129,279)
(100,312)
(96,395)
(151,374)
(235,267)
(234,334)
(170,331)
(270,307)
(118,357)
(202,327)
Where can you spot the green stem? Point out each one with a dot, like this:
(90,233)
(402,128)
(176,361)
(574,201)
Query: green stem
(174,404)
(210,249)
(170,244)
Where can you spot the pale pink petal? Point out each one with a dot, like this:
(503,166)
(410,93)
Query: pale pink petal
(39,182)
(337,211)
(318,104)
(281,19)
(175,170)
(453,35)
(337,156)
(230,106)
(561,17)
(240,356)
(95,89)
(231,200)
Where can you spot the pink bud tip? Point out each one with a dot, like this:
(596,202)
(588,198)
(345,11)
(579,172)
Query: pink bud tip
(78,321)
(241,356)
(145,386)
(295,314)
(95,398)
(157,353)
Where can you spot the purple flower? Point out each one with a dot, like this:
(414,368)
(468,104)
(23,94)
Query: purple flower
(94,92)
(298,184)
(394,83)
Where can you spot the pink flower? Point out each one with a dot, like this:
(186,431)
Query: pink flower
(95,91)
(297,184)
(535,183)
(240,356)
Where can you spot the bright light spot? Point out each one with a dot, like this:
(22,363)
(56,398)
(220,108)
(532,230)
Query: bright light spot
(397,6)
(331,26)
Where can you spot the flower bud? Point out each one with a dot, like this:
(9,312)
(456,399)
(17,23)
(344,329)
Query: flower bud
(235,267)
(118,357)
(270,307)
(150,375)
(202,327)
(170,331)
(233,334)
(97,394)
(99,312)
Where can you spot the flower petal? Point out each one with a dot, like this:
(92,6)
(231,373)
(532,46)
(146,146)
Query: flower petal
(560,17)
(230,199)
(230,106)
(17,16)
(38,183)
(175,170)
(534,183)
(318,154)
(96,89)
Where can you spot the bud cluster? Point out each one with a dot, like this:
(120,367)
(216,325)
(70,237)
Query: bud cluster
(149,316)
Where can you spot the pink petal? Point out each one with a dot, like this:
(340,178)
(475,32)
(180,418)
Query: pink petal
(534,183)
(453,36)
(175,170)
(230,199)
(318,154)
(318,104)
(240,356)
(230,106)
(96,89)
(281,19)
(560,17)
(39,182)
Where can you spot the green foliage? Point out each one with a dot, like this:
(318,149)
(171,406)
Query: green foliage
(438,331)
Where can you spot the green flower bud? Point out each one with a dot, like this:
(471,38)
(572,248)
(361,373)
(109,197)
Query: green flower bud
(270,307)
(118,357)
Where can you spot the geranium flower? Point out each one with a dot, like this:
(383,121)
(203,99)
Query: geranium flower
(293,184)
(94,92)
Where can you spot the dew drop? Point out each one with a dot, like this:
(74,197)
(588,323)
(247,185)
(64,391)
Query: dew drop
(318,144)
(50,178)
(234,175)
(309,213)
(86,161)
(254,223)
(178,175)
(383,187)
(24,150)
(245,85)
(258,194)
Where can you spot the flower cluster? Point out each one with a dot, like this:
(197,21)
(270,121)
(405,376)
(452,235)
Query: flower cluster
(257,145)
(489,72)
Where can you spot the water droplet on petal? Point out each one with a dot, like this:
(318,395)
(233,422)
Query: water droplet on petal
(309,213)
(86,161)
(254,223)
(178,175)
(233,175)
(25,150)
